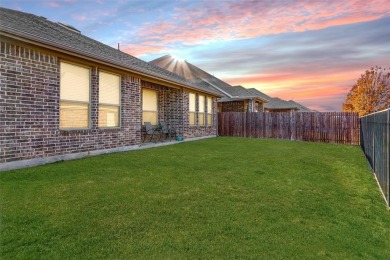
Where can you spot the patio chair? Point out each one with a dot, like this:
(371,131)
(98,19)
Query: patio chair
(167,132)
(151,131)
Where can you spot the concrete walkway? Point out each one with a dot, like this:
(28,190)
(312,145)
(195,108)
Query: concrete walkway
(66,157)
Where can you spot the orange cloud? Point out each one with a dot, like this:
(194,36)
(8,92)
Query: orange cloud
(137,50)
(314,90)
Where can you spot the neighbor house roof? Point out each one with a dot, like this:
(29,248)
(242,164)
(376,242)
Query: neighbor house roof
(63,38)
(274,103)
(301,107)
(228,92)
(277,103)
(201,77)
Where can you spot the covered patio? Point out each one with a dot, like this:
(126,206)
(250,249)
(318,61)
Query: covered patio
(161,106)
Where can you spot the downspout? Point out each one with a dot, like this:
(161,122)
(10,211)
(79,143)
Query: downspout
(388,159)
(182,113)
(216,122)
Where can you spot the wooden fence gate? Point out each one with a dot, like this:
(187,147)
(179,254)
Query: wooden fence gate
(327,127)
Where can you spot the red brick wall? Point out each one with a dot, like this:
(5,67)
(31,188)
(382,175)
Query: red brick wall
(173,107)
(29,103)
(234,106)
(195,130)
(29,109)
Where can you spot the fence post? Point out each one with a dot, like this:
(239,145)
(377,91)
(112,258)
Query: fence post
(373,144)
(388,157)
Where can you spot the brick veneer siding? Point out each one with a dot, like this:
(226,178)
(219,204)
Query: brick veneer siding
(29,109)
(233,106)
(169,106)
(252,106)
(197,130)
(29,103)
(173,107)
(260,107)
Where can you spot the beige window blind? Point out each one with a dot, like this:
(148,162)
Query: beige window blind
(192,108)
(150,106)
(74,96)
(75,82)
(109,99)
(209,111)
(109,88)
(201,104)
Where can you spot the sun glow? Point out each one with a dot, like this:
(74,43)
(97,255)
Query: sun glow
(177,59)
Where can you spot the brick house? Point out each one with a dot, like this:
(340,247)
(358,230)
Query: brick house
(64,95)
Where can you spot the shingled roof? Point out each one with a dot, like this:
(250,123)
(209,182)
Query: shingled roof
(192,73)
(301,107)
(228,92)
(257,92)
(38,29)
(201,77)
(277,103)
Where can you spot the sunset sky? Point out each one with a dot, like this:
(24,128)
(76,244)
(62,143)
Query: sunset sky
(308,51)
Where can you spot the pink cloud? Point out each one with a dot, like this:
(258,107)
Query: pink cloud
(54,4)
(79,17)
(225,20)
(137,50)
(313,90)
(241,20)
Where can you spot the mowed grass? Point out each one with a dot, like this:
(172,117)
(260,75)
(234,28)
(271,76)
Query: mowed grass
(215,198)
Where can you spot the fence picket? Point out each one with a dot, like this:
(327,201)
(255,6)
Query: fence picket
(328,127)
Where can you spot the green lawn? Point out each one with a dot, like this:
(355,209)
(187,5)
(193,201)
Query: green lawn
(215,198)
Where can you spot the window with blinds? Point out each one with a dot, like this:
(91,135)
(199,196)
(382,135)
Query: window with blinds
(202,110)
(109,99)
(149,106)
(74,96)
(192,108)
(209,111)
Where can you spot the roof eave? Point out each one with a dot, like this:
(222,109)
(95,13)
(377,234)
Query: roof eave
(89,56)
(261,99)
(295,108)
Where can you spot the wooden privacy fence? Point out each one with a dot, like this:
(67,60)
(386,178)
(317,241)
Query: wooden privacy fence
(327,127)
